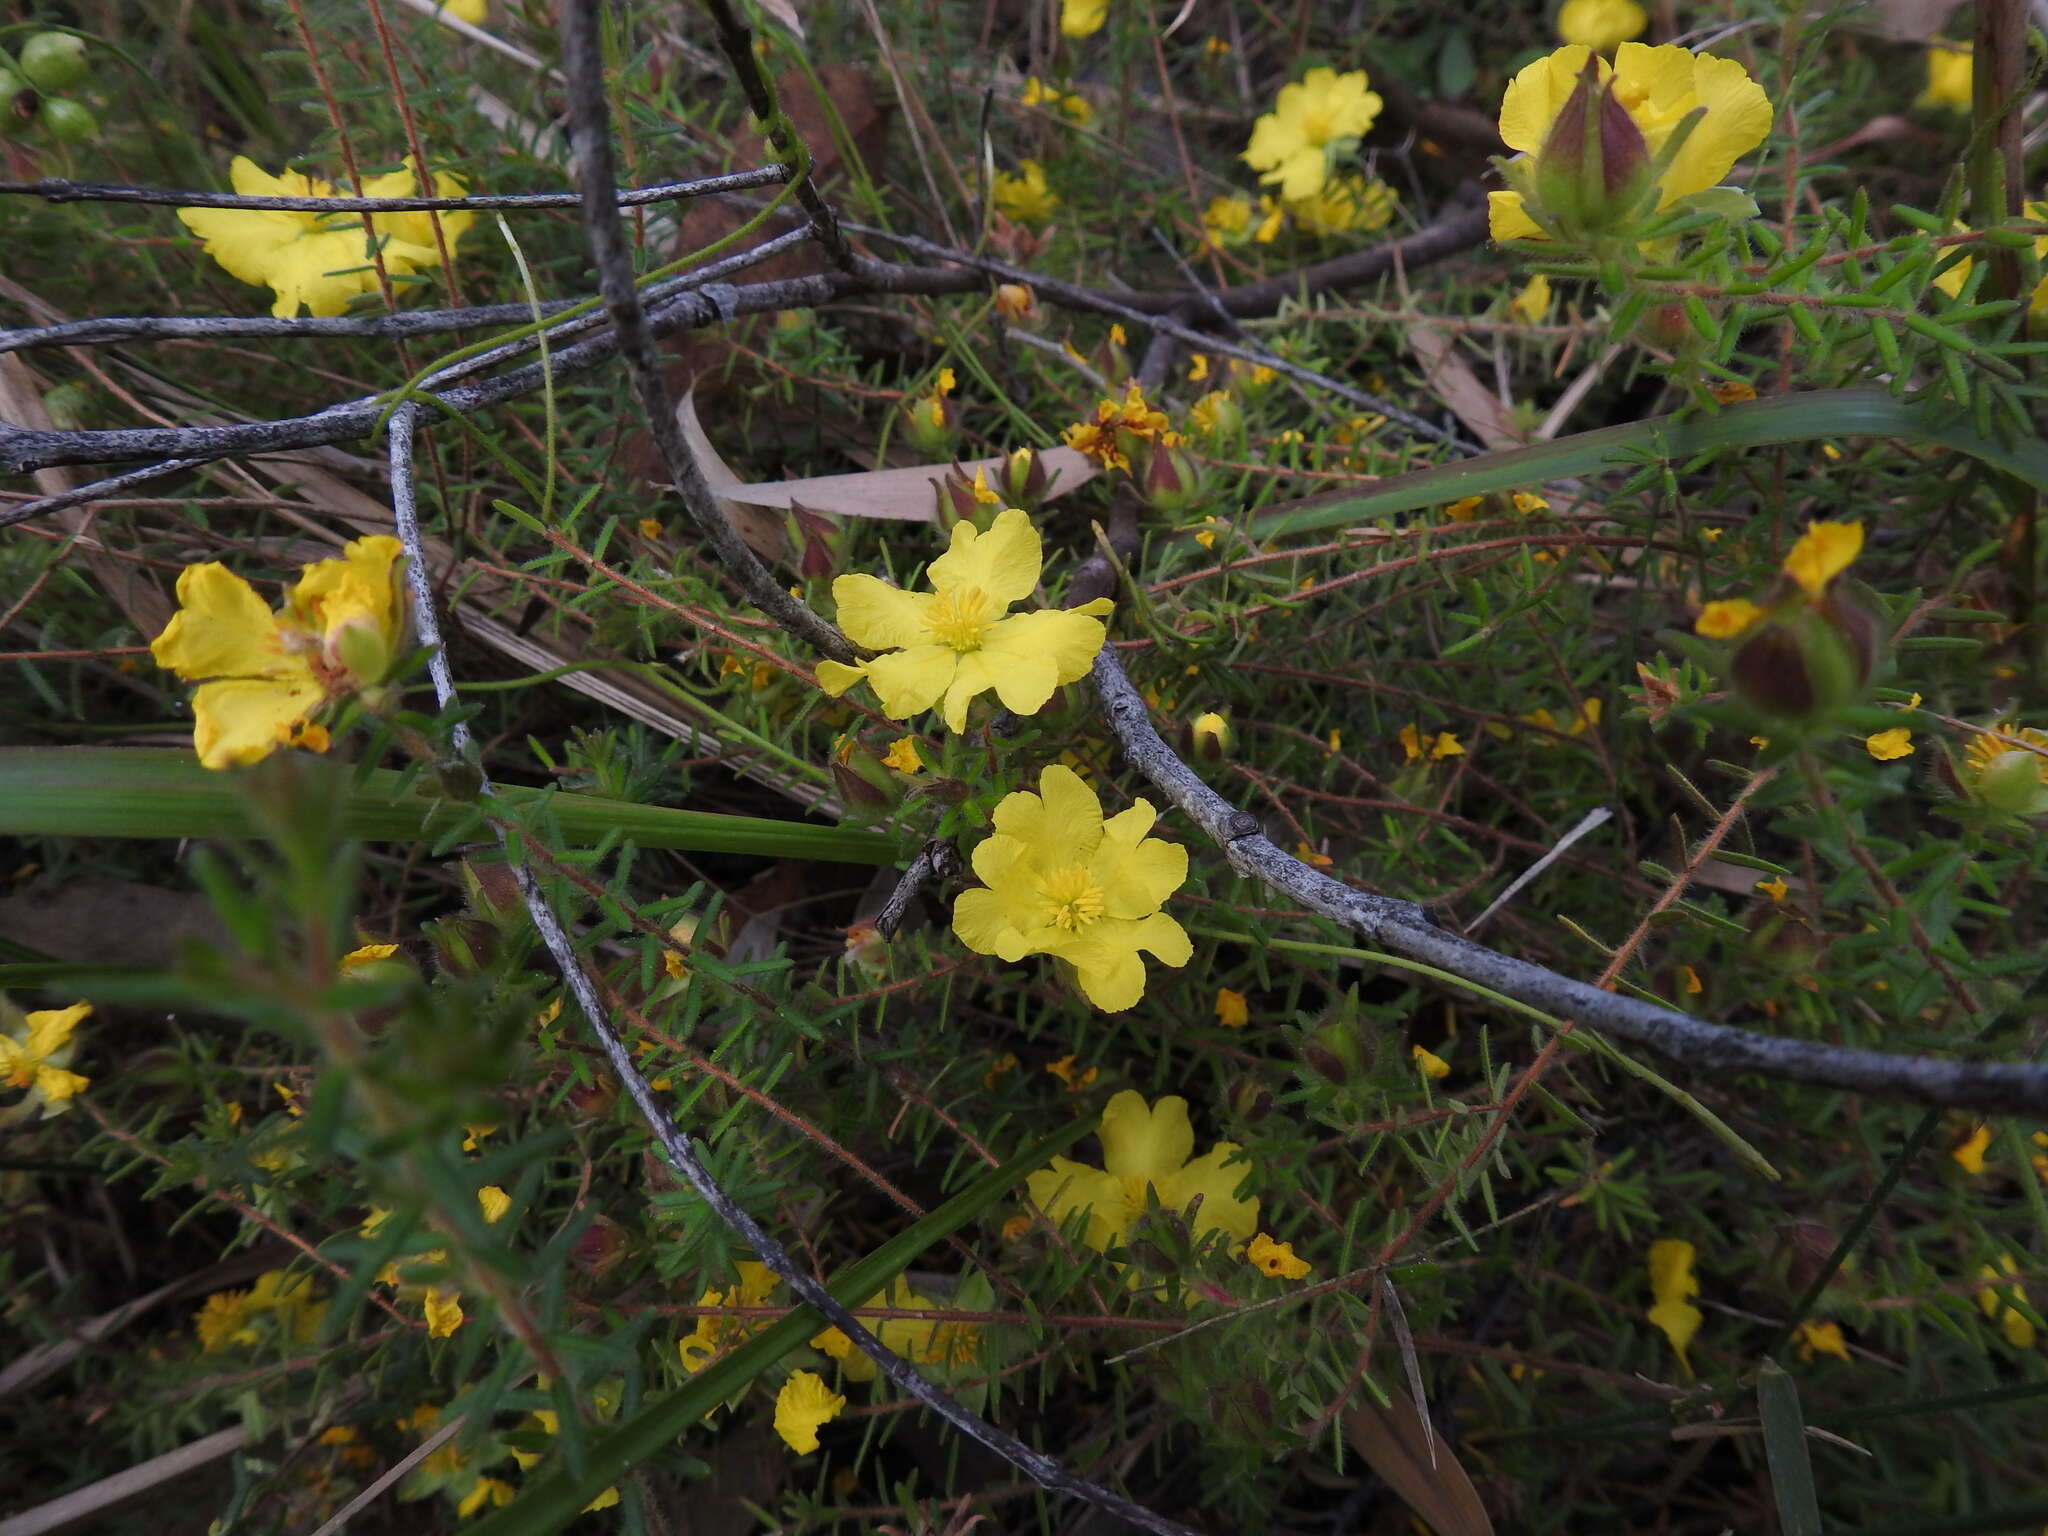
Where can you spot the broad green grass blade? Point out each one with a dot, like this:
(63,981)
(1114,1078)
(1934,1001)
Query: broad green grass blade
(553,1500)
(160,792)
(1827,413)
(1777,1398)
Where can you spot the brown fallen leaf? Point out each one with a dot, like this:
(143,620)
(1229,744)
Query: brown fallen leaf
(1454,383)
(1393,1441)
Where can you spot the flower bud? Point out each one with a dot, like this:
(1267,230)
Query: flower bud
(864,780)
(462,946)
(66,121)
(953,495)
(2014,781)
(18,102)
(593,1100)
(930,423)
(1017,304)
(1594,168)
(1173,481)
(601,1248)
(1808,663)
(867,950)
(1216,418)
(1208,739)
(494,894)
(54,61)
(1249,1103)
(1023,479)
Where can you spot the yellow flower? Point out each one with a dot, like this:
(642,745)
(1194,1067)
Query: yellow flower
(1601,24)
(1312,121)
(1949,77)
(714,1332)
(1118,427)
(320,260)
(902,756)
(1198,367)
(1076,1078)
(1530,306)
(1431,1065)
(1416,746)
(1464,509)
(1061,880)
(923,1341)
(2018,1329)
(1821,1339)
(471,11)
(1970,1155)
(1730,392)
(960,639)
(1822,553)
(35,1054)
(262,674)
(223,1319)
(1082,18)
(1671,1286)
(442,1306)
(1038,94)
(1276,1259)
(650,528)
(1658,88)
(1145,1148)
(802,1407)
(290,1297)
(1024,195)
(368,954)
(1888,746)
(1775,887)
(1344,204)
(1211,416)
(1727,618)
(494,1203)
(1016,1227)
(494,1491)
(1310,856)
(1232,1010)
(1528,503)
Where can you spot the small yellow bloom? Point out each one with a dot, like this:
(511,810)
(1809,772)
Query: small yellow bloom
(1775,887)
(1671,1287)
(2017,1327)
(715,1332)
(1024,195)
(1334,742)
(1063,880)
(1822,1339)
(1232,1010)
(650,528)
(494,1491)
(1082,18)
(1276,1259)
(223,1319)
(1146,1148)
(1532,305)
(1310,856)
(35,1054)
(473,1136)
(494,1203)
(1822,553)
(1950,77)
(803,1406)
(1075,1077)
(1344,204)
(1888,746)
(1528,502)
(1312,121)
(1731,392)
(1016,1227)
(1429,1064)
(903,756)
(960,640)
(1416,746)
(1076,109)
(443,1309)
(1727,618)
(262,675)
(322,261)
(471,11)
(368,954)
(1464,509)
(1970,1155)
(1601,25)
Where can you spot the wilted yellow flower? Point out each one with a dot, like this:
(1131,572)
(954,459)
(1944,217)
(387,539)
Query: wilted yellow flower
(1276,1259)
(1656,90)
(493,1202)
(1038,94)
(1062,880)
(367,954)
(1417,746)
(1076,1077)
(1146,1148)
(1821,1339)
(1530,306)
(1671,1288)
(1969,1155)
(903,756)
(1118,427)
(442,1307)
(1601,24)
(922,1341)
(1312,120)
(494,1491)
(262,675)
(947,646)
(1950,76)
(1429,1064)
(1232,1010)
(1727,617)
(803,1406)
(714,1332)
(1024,195)
(1344,204)
(35,1054)
(1888,746)
(322,260)
(1775,887)
(1822,553)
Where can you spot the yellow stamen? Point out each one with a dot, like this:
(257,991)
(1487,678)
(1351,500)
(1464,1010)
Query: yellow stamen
(959,617)
(1073,896)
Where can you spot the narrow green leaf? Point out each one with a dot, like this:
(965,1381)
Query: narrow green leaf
(161,792)
(1777,1397)
(553,1500)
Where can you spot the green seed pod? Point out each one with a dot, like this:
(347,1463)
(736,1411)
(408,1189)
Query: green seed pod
(55,61)
(66,121)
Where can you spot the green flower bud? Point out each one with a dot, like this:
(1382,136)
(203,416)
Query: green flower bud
(1023,479)
(1808,663)
(864,780)
(66,121)
(1595,166)
(2015,782)
(463,946)
(1173,481)
(360,649)
(54,61)
(930,424)
(1208,739)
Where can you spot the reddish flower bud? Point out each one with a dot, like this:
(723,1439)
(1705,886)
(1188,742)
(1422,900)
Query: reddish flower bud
(1595,166)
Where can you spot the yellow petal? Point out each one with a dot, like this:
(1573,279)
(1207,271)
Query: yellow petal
(836,677)
(49,1030)
(1004,562)
(1889,746)
(987,926)
(1067,640)
(880,616)
(1136,876)
(1738,119)
(1537,94)
(238,723)
(804,1405)
(493,1202)
(1727,618)
(973,675)
(221,629)
(1506,219)
(1823,552)
(1215,1178)
(1141,1141)
(910,682)
(443,1308)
